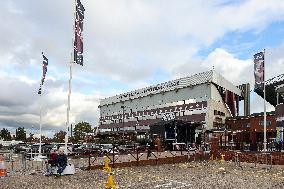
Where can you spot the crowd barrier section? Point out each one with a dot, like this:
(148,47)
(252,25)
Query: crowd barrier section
(141,157)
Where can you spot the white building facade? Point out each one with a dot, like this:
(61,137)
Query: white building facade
(196,99)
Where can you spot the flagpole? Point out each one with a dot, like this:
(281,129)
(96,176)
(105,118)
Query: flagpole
(264,101)
(68,106)
(40,119)
(69,92)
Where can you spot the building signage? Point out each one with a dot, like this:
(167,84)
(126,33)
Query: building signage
(150,90)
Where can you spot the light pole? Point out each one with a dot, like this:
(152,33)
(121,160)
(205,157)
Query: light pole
(123,121)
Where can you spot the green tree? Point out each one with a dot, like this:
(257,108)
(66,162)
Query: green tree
(81,129)
(30,138)
(59,137)
(21,134)
(5,134)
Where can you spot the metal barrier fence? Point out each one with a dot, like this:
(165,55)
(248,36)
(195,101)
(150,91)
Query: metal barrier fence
(23,162)
(19,163)
(134,156)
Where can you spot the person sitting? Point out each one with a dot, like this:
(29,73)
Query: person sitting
(53,156)
(61,162)
(51,162)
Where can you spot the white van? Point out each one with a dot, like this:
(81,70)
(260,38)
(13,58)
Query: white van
(61,146)
(108,148)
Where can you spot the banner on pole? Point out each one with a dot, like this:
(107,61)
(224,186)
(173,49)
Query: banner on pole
(44,71)
(39,90)
(78,39)
(259,70)
(44,67)
(279,114)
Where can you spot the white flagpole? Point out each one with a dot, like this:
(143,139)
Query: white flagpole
(69,93)
(264,121)
(40,119)
(68,106)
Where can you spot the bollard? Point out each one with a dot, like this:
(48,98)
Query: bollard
(24,162)
(256,161)
(12,165)
(82,163)
(222,158)
(271,161)
(212,157)
(238,162)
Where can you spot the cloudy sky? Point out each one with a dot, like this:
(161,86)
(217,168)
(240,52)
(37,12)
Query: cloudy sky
(128,44)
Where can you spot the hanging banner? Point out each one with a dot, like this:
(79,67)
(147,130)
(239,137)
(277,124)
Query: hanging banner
(259,70)
(44,71)
(78,39)
(279,114)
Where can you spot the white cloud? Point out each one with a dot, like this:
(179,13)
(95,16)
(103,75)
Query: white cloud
(233,69)
(143,36)
(126,41)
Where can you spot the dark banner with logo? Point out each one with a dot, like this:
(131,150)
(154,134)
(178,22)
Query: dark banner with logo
(259,70)
(279,114)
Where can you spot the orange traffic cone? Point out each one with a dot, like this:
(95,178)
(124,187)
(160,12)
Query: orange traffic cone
(3,171)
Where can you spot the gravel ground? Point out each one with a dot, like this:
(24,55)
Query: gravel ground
(186,175)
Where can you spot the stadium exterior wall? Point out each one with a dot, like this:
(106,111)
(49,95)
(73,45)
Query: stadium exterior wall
(193,99)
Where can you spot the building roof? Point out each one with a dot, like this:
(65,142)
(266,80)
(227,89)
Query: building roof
(197,79)
(271,86)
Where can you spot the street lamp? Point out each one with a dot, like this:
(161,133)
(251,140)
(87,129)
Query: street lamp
(123,121)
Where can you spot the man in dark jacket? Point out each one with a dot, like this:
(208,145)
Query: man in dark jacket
(61,161)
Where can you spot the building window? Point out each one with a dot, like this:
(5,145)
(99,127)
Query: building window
(215,112)
(268,123)
(246,125)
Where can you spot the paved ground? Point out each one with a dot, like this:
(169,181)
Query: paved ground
(186,175)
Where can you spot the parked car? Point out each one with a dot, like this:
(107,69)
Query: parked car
(61,146)
(126,148)
(21,147)
(108,148)
(45,148)
(87,148)
(34,149)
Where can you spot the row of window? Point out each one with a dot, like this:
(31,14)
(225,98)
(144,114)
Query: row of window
(155,116)
(155,112)
(132,128)
(268,122)
(216,112)
(191,103)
